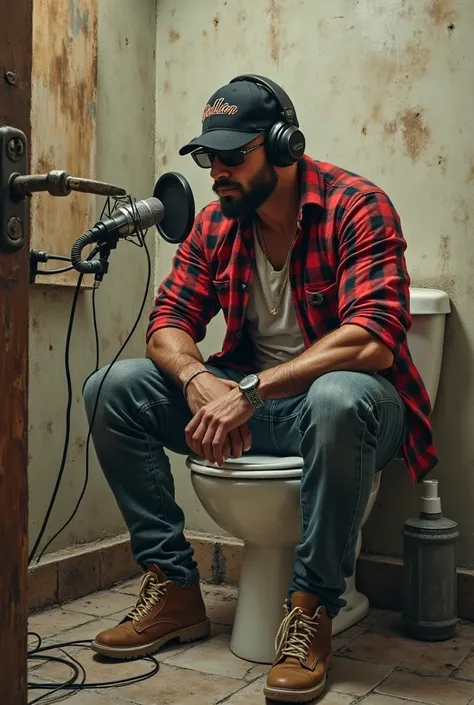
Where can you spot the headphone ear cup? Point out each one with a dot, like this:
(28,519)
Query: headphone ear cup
(293,143)
(286,144)
(272,143)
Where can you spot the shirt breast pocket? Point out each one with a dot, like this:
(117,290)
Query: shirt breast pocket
(322,308)
(222,288)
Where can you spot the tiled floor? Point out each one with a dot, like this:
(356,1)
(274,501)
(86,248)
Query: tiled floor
(374,663)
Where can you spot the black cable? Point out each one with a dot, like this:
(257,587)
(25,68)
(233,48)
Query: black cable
(137,321)
(68,415)
(56,687)
(87,267)
(68,426)
(91,255)
(54,271)
(60,258)
(96,330)
(75,666)
(78,670)
(72,683)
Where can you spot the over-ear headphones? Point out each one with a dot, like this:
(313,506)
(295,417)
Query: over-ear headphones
(285,142)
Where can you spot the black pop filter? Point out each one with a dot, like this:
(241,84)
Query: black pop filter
(174,191)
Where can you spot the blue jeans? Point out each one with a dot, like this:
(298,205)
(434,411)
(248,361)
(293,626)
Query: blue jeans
(346,427)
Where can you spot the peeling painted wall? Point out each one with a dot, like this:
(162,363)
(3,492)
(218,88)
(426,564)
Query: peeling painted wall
(385,89)
(63,120)
(125,133)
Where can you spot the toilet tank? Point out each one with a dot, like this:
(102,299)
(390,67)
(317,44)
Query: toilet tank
(428,308)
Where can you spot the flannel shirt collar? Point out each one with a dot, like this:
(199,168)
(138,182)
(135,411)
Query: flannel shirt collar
(311,189)
(311,183)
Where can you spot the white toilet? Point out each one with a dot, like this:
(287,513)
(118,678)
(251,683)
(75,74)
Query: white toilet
(256,498)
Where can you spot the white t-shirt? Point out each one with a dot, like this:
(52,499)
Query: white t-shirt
(276,339)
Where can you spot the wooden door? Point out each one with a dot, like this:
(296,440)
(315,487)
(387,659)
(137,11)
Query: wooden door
(15,103)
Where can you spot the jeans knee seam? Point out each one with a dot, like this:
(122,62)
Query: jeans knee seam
(155,478)
(356,509)
(186,571)
(272,425)
(151,404)
(386,400)
(370,410)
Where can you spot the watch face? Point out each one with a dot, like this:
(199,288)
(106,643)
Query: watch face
(249,382)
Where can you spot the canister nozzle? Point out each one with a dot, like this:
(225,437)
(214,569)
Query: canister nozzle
(430,502)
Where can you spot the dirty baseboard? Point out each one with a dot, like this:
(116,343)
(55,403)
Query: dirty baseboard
(70,574)
(76,572)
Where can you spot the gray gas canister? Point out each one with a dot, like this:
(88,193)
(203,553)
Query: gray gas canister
(429,570)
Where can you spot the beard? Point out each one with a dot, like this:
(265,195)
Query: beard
(261,187)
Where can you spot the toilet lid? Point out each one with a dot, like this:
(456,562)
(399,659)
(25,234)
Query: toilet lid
(250,467)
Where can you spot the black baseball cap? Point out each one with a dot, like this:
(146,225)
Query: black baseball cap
(234,115)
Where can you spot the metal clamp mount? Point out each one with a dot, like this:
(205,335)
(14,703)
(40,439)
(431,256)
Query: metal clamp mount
(13,160)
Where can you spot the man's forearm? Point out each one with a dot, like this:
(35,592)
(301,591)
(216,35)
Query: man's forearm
(175,353)
(347,348)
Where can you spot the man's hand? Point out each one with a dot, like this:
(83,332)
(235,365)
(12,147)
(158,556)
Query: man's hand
(201,392)
(208,432)
(205,388)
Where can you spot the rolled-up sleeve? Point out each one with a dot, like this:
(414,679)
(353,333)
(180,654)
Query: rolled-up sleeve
(186,298)
(373,281)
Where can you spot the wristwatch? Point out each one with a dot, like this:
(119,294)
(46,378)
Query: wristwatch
(248,385)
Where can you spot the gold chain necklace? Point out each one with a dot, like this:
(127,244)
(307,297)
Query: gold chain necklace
(286,267)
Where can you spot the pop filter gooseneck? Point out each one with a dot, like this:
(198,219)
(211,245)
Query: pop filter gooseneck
(175,193)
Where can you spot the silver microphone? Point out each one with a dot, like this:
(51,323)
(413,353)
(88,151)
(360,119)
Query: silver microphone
(122,223)
(148,213)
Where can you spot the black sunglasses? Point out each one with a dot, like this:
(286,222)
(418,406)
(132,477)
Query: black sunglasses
(232,157)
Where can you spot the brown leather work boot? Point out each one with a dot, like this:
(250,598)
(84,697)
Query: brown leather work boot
(163,612)
(303,646)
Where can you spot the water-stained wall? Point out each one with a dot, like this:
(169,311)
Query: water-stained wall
(124,125)
(64,102)
(385,89)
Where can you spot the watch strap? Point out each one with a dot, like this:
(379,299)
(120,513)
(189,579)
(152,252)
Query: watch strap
(254,398)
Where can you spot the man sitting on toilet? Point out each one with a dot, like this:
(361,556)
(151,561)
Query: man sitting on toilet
(306,261)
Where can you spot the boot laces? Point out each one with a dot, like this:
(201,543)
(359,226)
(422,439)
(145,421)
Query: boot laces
(296,634)
(151,592)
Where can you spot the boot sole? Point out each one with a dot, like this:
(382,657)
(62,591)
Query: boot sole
(188,634)
(288,695)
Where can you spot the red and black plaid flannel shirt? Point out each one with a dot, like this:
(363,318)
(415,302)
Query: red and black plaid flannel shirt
(347,266)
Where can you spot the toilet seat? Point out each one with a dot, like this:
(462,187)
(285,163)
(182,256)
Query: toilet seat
(250,467)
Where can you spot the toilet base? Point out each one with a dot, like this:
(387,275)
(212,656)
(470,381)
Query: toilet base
(356,609)
(263,587)
(266,575)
